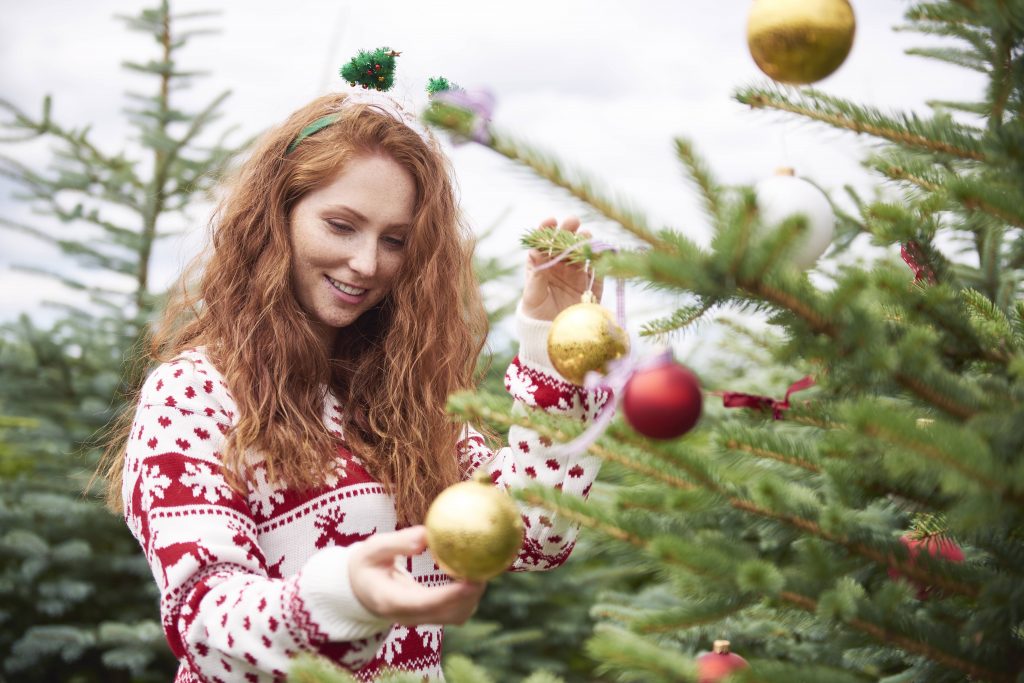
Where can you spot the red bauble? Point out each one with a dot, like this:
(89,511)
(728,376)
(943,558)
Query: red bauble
(940,547)
(714,666)
(662,400)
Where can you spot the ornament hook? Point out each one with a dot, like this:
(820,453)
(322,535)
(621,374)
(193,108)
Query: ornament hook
(588,296)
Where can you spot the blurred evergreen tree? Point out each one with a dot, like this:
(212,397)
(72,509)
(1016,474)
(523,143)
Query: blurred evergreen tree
(79,603)
(788,536)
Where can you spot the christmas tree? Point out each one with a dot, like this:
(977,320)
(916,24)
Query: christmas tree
(869,526)
(78,599)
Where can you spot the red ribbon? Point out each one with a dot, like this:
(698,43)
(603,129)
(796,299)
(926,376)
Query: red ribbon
(914,257)
(735,399)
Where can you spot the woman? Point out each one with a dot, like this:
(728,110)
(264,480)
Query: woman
(285,449)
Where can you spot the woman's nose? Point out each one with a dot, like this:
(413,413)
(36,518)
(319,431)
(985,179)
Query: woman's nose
(364,257)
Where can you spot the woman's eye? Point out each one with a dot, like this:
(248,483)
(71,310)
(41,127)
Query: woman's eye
(340,227)
(395,242)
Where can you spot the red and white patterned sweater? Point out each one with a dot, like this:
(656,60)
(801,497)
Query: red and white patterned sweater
(248,581)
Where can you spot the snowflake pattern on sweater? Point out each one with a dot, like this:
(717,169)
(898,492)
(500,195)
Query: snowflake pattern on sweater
(248,581)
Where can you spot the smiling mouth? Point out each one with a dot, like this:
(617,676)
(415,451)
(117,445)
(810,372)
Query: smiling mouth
(347,289)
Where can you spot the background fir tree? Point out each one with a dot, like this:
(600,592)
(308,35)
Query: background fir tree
(79,603)
(784,535)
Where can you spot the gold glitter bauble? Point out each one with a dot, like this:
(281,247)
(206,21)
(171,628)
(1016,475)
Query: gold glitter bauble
(474,530)
(585,337)
(800,41)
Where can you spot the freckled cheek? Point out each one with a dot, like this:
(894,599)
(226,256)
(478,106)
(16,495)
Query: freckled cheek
(392,266)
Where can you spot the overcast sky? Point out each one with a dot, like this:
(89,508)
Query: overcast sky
(605,85)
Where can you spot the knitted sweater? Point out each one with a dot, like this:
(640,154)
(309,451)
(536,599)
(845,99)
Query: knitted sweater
(248,581)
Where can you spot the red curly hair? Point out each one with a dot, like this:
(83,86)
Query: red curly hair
(392,369)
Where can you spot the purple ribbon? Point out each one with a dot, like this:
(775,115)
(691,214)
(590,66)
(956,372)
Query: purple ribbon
(478,102)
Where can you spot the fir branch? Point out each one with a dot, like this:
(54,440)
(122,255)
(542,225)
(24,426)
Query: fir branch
(973,194)
(972,198)
(907,130)
(975,108)
(940,308)
(663,452)
(156,195)
(911,569)
(933,396)
(761,452)
(931,450)
(461,405)
(992,327)
(197,126)
(689,616)
(1002,74)
(76,140)
(554,242)
(683,317)
(622,651)
(700,173)
(821,325)
(583,519)
(915,571)
(967,59)
(788,300)
(890,638)
(897,172)
(577,184)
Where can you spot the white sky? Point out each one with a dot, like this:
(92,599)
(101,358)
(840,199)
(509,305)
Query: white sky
(603,85)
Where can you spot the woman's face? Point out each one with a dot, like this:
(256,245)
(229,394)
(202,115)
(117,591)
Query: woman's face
(348,241)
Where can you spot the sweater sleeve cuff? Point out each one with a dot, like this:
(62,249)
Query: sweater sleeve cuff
(533,341)
(325,588)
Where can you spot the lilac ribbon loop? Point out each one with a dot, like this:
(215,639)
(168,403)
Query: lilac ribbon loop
(478,102)
(619,372)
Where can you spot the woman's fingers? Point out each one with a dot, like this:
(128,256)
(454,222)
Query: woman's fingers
(550,288)
(571,223)
(386,589)
(382,549)
(450,604)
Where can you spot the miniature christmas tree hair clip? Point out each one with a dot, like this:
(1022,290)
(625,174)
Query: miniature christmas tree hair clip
(374,72)
(371,70)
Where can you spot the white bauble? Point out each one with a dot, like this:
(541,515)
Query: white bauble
(783,196)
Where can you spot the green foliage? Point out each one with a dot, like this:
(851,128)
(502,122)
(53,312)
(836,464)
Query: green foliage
(782,536)
(77,593)
(539,621)
(79,602)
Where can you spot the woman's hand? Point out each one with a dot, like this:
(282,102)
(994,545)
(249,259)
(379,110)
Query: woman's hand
(392,593)
(548,292)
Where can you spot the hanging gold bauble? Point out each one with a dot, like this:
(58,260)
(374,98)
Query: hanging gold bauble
(800,41)
(474,530)
(585,337)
